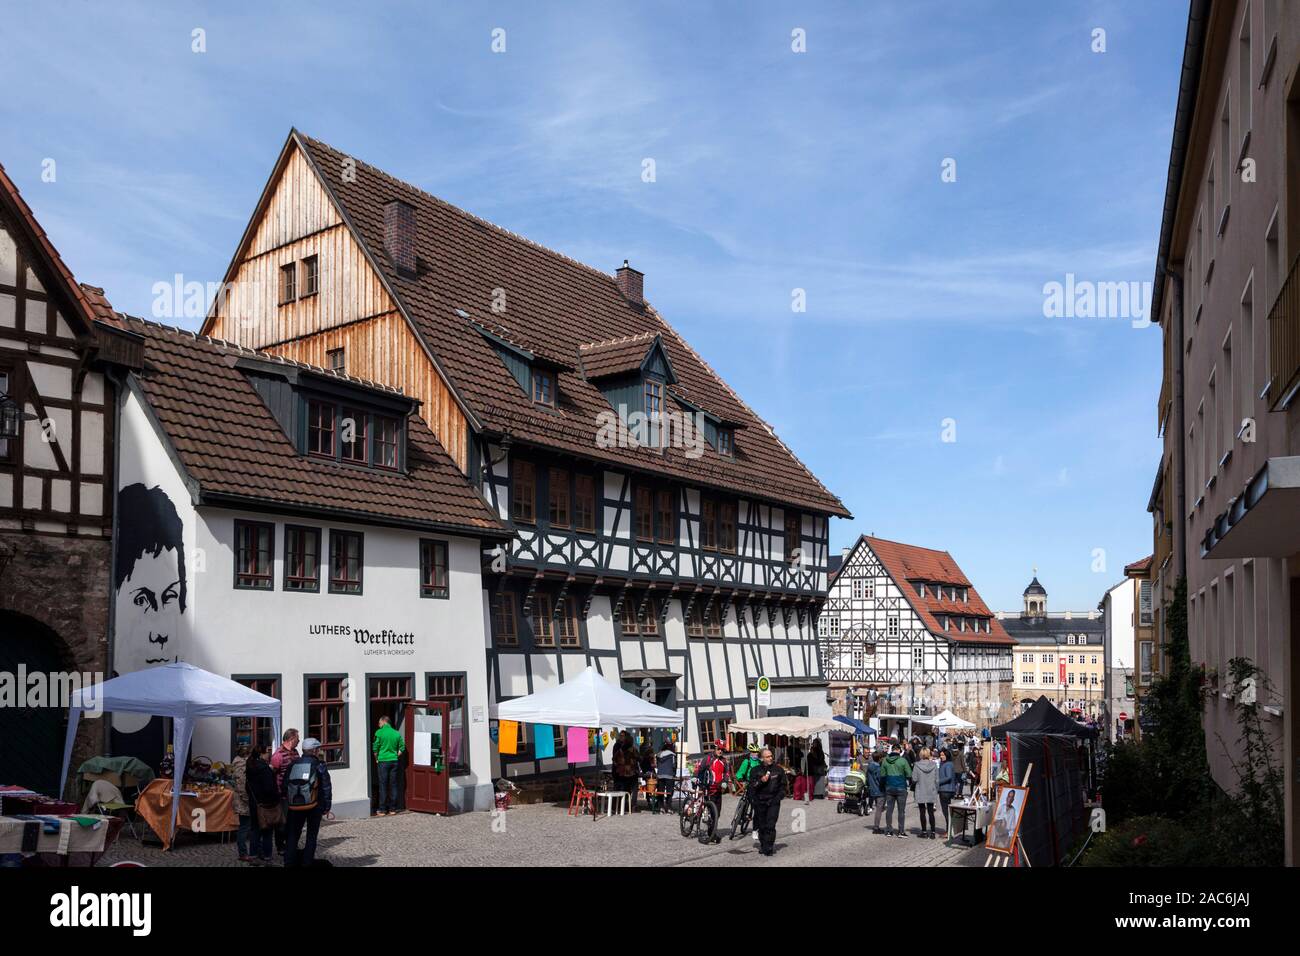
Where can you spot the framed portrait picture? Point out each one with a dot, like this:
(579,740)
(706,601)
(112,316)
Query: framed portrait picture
(1008,810)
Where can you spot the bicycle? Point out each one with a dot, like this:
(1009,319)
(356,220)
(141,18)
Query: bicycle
(742,821)
(698,817)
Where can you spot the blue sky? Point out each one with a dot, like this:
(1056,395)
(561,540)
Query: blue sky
(775,170)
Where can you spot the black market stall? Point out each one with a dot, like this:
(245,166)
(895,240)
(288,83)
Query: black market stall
(1059,753)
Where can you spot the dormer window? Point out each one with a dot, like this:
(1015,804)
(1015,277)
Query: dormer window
(354,435)
(543,386)
(726,442)
(320,429)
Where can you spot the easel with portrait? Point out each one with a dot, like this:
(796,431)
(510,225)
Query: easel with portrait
(1004,829)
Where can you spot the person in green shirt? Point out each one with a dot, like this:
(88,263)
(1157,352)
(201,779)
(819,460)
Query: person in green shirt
(388,747)
(749,763)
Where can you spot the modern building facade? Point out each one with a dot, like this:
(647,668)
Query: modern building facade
(1059,655)
(660,529)
(60,358)
(904,632)
(1227,298)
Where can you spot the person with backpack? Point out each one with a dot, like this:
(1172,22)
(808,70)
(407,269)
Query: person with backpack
(388,748)
(896,771)
(308,795)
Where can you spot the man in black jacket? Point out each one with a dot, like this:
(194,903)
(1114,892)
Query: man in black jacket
(766,788)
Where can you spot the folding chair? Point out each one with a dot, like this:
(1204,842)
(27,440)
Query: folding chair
(581,797)
(130,820)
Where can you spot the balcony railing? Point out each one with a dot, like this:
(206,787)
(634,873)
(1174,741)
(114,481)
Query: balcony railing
(1284,341)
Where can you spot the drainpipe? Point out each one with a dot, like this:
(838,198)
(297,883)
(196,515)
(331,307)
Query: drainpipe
(1182,421)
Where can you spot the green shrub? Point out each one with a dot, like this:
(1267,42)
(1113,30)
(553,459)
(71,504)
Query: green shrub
(1149,841)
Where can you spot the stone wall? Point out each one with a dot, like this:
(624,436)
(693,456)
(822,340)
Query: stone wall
(62,582)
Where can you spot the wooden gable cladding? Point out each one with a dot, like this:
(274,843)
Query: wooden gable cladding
(298,207)
(351,308)
(251,313)
(384,349)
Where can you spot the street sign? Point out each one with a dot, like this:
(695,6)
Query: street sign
(764,692)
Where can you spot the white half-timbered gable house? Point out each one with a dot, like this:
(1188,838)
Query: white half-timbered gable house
(903,631)
(301,532)
(661,529)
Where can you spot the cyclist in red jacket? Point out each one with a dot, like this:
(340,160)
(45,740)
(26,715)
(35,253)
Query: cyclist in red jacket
(717,773)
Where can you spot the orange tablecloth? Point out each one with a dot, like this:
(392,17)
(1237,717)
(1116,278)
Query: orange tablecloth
(217,806)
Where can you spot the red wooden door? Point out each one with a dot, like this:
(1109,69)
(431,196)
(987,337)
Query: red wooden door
(426,755)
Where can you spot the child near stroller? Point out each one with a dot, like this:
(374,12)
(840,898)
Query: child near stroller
(855,792)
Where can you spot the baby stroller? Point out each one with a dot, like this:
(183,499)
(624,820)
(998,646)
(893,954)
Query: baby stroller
(855,793)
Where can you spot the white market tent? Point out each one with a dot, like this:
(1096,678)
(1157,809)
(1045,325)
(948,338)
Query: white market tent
(790,726)
(587,700)
(180,691)
(946,720)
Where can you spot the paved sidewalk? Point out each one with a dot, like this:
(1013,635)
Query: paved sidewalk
(544,835)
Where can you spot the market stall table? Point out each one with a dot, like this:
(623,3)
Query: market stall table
(58,837)
(215,807)
(969,813)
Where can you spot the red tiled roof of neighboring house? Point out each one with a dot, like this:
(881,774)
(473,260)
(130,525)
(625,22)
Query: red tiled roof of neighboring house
(908,563)
(233,447)
(560,305)
(1141,566)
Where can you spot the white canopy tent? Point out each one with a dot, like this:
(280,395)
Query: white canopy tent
(946,720)
(587,700)
(180,691)
(790,726)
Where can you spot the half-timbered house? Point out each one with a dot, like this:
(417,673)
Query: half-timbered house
(904,632)
(59,354)
(661,529)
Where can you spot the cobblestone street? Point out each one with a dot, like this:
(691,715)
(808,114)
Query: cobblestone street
(543,835)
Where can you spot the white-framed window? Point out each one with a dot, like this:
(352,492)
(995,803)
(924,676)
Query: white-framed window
(1146,657)
(833,626)
(1069,639)
(870,589)
(1145,611)
(1071,677)
(891,626)
(857,657)
(1029,677)
(859,586)
(918,657)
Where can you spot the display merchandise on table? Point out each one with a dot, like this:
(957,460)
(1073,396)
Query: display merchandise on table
(209,805)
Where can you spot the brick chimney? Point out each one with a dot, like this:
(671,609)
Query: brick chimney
(630,283)
(399,235)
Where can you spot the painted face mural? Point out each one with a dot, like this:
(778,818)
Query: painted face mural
(150,583)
